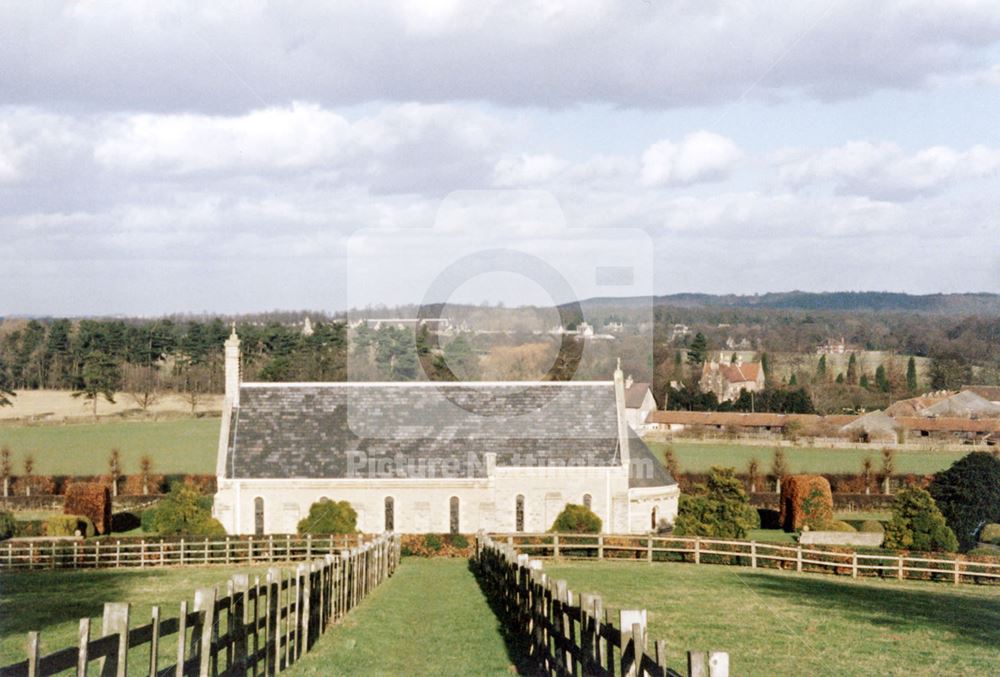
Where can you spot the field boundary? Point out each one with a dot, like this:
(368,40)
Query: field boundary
(755,554)
(565,633)
(159,552)
(258,627)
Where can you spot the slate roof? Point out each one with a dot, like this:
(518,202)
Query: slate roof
(645,470)
(365,430)
(635,394)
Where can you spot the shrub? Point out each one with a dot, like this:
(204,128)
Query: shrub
(806,500)
(30,528)
(872,527)
(148,520)
(990,534)
(7,525)
(917,524)
(92,500)
(986,551)
(68,525)
(968,494)
(458,541)
(433,542)
(835,525)
(577,519)
(720,507)
(330,517)
(183,512)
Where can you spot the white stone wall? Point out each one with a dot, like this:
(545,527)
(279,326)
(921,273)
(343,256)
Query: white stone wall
(642,502)
(422,506)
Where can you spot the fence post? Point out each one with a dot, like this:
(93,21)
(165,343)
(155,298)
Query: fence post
(600,546)
(697,550)
(309,546)
(632,623)
(697,664)
(753,554)
(854,565)
(555,545)
(182,550)
(899,561)
(272,623)
(957,571)
(118,554)
(76,552)
(115,621)
(798,558)
(718,664)
(33,650)
(237,622)
(83,644)
(142,553)
(182,639)
(154,641)
(649,549)
(204,600)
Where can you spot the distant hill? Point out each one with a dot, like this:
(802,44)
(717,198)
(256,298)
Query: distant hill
(936,304)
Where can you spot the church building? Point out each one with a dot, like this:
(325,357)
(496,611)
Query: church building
(420,457)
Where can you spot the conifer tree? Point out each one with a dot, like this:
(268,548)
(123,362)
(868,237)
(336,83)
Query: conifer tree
(911,375)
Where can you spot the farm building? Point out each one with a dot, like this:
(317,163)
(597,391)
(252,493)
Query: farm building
(424,457)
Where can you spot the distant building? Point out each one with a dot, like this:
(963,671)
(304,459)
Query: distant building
(727,380)
(832,347)
(639,402)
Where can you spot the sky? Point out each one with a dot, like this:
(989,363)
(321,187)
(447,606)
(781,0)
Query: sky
(234,157)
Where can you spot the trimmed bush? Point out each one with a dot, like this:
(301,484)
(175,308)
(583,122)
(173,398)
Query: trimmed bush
(990,534)
(30,528)
(806,500)
(433,542)
(68,525)
(917,524)
(182,512)
(836,525)
(872,527)
(92,500)
(719,507)
(458,541)
(968,494)
(148,521)
(330,517)
(576,519)
(7,525)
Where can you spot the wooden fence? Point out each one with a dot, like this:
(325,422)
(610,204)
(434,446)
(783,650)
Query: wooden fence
(255,628)
(150,552)
(564,633)
(954,569)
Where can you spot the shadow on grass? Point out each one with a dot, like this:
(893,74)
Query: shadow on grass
(517,646)
(37,600)
(974,620)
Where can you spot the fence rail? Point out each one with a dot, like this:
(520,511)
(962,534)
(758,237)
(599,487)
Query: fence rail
(569,634)
(956,569)
(256,627)
(151,552)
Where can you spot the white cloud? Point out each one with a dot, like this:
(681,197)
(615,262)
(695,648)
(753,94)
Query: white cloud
(700,156)
(526,169)
(885,170)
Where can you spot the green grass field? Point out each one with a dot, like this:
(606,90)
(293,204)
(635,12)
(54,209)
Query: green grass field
(776,623)
(700,456)
(430,618)
(177,446)
(53,602)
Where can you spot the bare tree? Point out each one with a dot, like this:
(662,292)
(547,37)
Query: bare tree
(888,467)
(779,467)
(670,461)
(867,471)
(196,381)
(142,383)
(145,470)
(6,469)
(115,469)
(29,469)
(753,473)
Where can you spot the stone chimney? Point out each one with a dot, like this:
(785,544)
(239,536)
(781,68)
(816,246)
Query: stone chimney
(622,420)
(233,368)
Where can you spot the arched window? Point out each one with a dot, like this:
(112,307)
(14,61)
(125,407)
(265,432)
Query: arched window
(454,515)
(586,501)
(258,516)
(519,513)
(390,514)
(653,518)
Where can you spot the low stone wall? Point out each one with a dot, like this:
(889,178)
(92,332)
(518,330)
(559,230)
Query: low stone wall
(859,539)
(54,503)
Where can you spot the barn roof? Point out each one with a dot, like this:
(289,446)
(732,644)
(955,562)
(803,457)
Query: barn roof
(434,430)
(635,394)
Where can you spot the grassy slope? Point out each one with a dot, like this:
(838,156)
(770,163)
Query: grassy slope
(699,457)
(429,619)
(786,624)
(53,602)
(177,446)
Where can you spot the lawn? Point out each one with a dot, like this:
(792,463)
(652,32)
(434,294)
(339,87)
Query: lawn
(177,446)
(700,456)
(53,602)
(430,618)
(777,623)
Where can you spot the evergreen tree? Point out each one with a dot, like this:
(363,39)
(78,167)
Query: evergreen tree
(6,391)
(864,381)
(881,382)
(840,378)
(698,350)
(911,375)
(917,524)
(793,381)
(720,507)
(968,494)
(101,378)
(765,365)
(852,370)
(821,369)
